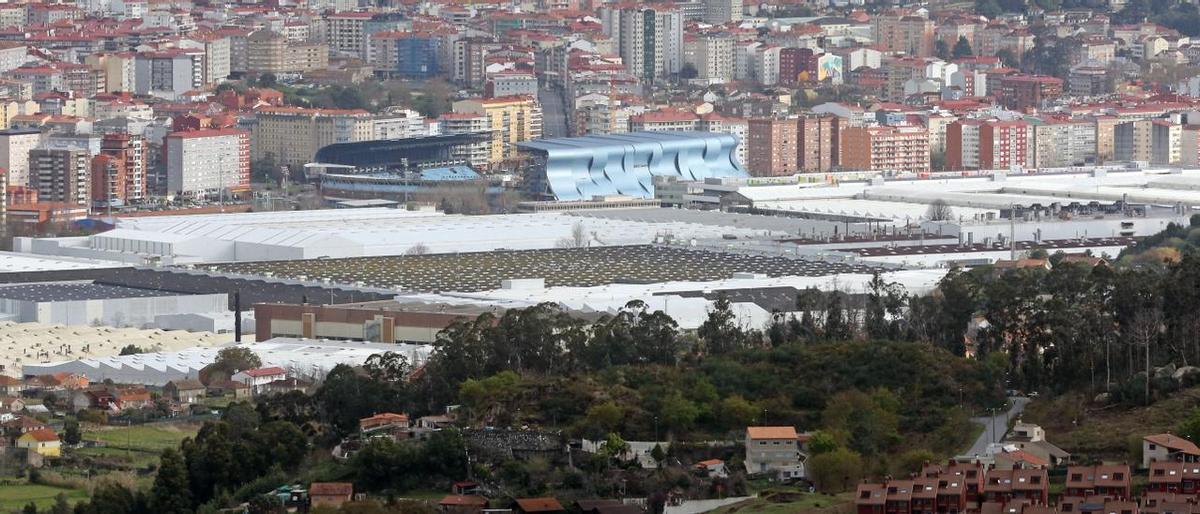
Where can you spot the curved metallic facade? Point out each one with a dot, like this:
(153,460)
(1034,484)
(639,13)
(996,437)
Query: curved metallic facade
(579,168)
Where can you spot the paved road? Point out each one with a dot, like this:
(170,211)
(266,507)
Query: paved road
(1000,422)
(554,113)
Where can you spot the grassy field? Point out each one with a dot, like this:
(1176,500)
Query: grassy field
(1091,432)
(14,497)
(153,437)
(788,502)
(129,457)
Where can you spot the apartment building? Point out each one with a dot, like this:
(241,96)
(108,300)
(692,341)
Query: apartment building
(650,41)
(897,71)
(119,70)
(901,149)
(61,175)
(818,142)
(772,147)
(216,49)
(15,145)
(406,54)
(292,135)
(207,162)
(665,120)
(271,52)
(775,451)
(957,488)
(122,174)
(1155,141)
(511,119)
(711,55)
(477,154)
(1019,92)
(987,144)
(720,12)
(169,73)
(345,32)
(400,123)
(912,35)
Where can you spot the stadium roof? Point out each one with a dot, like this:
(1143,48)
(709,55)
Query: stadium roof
(579,168)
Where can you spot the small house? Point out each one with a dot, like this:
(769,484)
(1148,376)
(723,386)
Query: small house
(184,391)
(332,494)
(531,505)
(257,378)
(10,386)
(462,504)
(44,442)
(383,422)
(712,468)
(1168,447)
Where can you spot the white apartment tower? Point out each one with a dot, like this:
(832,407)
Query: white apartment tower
(651,42)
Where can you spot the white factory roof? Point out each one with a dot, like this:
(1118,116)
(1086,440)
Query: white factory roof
(12,262)
(371,232)
(303,358)
(976,197)
(32,343)
(689,312)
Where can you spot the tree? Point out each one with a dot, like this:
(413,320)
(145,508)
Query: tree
(71,432)
(679,413)
(60,505)
(578,239)
(822,442)
(835,471)
(232,360)
(736,412)
(614,447)
(417,249)
(390,367)
(688,71)
(132,349)
(30,508)
(939,210)
(1008,58)
(1190,427)
(604,418)
(962,48)
(170,493)
(719,332)
(941,50)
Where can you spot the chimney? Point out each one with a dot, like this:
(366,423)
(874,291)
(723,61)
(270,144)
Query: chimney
(237,316)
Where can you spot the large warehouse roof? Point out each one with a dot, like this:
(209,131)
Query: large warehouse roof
(72,291)
(30,343)
(304,358)
(368,232)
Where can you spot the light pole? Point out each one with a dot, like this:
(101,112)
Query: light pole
(655,429)
(995,436)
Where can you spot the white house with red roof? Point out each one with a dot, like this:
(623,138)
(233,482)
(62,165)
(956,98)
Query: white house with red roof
(258,378)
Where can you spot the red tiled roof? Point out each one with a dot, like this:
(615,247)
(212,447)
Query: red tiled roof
(539,505)
(464,500)
(330,489)
(44,435)
(1174,442)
